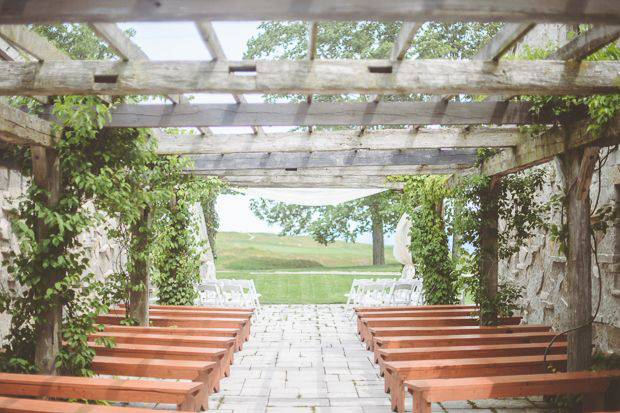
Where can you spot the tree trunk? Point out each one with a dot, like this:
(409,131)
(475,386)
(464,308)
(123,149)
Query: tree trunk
(489,254)
(138,308)
(378,248)
(578,174)
(48,334)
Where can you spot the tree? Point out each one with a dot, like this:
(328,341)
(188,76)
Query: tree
(377,213)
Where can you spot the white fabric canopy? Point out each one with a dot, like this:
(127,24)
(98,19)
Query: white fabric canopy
(207,263)
(401,246)
(310,196)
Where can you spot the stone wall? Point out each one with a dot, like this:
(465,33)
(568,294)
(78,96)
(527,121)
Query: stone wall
(105,255)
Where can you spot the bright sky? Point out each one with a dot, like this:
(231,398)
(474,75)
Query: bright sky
(181,41)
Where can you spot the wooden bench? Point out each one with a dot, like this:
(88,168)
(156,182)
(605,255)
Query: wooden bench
(183,394)
(183,331)
(167,353)
(474,351)
(210,342)
(12,405)
(196,307)
(415,307)
(191,313)
(397,372)
(462,340)
(204,372)
(242,325)
(415,313)
(440,331)
(423,322)
(593,384)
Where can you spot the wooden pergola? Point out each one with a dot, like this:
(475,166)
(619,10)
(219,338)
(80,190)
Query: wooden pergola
(357,157)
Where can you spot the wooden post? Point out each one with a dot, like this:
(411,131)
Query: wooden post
(138,308)
(489,253)
(46,175)
(378,247)
(578,167)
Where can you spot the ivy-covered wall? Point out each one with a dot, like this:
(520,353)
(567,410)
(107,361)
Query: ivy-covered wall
(104,254)
(540,267)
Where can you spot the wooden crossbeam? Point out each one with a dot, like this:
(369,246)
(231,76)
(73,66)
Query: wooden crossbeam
(557,11)
(324,114)
(587,43)
(302,181)
(313,32)
(32,43)
(211,41)
(363,157)
(21,128)
(535,151)
(396,139)
(351,171)
(303,77)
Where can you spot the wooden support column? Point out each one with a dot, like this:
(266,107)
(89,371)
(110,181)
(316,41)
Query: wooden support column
(578,167)
(46,175)
(138,308)
(489,253)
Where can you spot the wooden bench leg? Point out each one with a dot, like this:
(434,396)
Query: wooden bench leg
(420,404)
(194,402)
(397,393)
(593,402)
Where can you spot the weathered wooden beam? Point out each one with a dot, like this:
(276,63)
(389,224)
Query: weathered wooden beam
(535,151)
(362,157)
(403,41)
(586,170)
(30,42)
(118,41)
(211,41)
(503,41)
(323,113)
(351,171)
(396,139)
(294,181)
(500,44)
(587,43)
(313,31)
(303,77)
(21,128)
(557,11)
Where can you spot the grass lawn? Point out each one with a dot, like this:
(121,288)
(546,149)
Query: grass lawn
(300,289)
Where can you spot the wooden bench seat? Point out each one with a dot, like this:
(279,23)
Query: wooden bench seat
(13,405)
(204,372)
(414,307)
(167,353)
(397,372)
(197,307)
(242,325)
(474,388)
(182,394)
(440,331)
(366,323)
(414,313)
(463,340)
(190,313)
(473,351)
(181,331)
(210,342)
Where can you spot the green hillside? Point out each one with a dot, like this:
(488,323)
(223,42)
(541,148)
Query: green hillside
(259,251)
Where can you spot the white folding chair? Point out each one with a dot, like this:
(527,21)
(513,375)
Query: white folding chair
(373,294)
(400,293)
(354,295)
(232,293)
(251,296)
(209,293)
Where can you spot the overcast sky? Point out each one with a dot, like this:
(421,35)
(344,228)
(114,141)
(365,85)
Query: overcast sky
(181,41)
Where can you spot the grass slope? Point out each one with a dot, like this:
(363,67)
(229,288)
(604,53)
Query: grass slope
(258,251)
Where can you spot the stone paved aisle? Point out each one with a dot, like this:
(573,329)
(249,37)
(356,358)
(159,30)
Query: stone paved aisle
(308,359)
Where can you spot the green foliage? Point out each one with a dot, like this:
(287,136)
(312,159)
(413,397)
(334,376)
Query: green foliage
(423,200)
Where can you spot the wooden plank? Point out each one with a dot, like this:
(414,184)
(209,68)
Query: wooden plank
(323,113)
(30,42)
(586,170)
(428,138)
(535,151)
(350,171)
(363,157)
(403,41)
(293,181)
(503,41)
(560,11)
(587,43)
(303,77)
(21,128)
(211,41)
(313,31)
